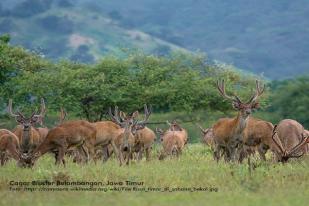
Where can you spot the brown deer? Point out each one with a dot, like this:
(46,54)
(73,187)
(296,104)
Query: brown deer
(125,140)
(107,132)
(173,140)
(207,136)
(78,133)
(144,136)
(29,136)
(229,132)
(257,136)
(9,146)
(291,140)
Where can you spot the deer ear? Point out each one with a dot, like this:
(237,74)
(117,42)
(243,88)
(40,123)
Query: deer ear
(255,105)
(135,114)
(122,115)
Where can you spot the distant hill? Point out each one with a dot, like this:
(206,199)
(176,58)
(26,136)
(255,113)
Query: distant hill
(63,30)
(260,36)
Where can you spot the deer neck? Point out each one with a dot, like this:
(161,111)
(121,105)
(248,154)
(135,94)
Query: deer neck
(25,145)
(241,123)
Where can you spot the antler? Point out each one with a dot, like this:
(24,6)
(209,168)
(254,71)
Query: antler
(201,128)
(115,117)
(299,145)
(258,92)
(147,113)
(43,110)
(279,144)
(290,154)
(63,115)
(221,88)
(10,110)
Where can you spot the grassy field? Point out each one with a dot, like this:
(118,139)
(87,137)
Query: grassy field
(231,184)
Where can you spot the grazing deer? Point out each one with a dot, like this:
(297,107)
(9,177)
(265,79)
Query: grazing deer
(173,140)
(291,140)
(229,132)
(9,146)
(29,136)
(207,136)
(78,133)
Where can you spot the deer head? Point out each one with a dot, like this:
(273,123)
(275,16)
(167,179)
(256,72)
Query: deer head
(244,108)
(30,121)
(138,125)
(160,132)
(285,155)
(174,126)
(126,122)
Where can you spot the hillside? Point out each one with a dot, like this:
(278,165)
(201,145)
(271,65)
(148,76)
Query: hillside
(264,37)
(62,32)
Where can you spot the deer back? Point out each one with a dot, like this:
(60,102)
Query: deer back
(145,136)
(290,133)
(106,131)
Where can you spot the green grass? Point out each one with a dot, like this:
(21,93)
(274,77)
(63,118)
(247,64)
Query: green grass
(269,184)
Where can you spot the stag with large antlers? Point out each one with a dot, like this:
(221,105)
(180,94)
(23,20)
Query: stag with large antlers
(78,133)
(29,136)
(144,136)
(290,139)
(229,133)
(9,146)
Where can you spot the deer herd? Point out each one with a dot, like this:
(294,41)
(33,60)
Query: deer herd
(129,139)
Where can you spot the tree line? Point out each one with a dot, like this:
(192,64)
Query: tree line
(179,82)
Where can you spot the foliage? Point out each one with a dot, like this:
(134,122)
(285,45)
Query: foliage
(291,99)
(180,82)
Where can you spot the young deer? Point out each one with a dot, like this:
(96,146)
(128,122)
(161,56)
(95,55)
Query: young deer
(29,136)
(229,132)
(291,140)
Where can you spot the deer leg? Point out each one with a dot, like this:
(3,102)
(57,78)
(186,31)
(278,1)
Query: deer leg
(139,155)
(129,155)
(117,152)
(162,155)
(227,153)
(262,149)
(86,152)
(89,147)
(105,153)
(148,153)
(2,156)
(60,156)
(216,153)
